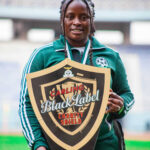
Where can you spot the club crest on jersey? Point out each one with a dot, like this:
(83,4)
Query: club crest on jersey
(101,62)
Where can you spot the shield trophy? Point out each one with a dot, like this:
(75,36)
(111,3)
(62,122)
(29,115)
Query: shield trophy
(69,101)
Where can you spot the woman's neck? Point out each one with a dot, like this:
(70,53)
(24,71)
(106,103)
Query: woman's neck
(76,43)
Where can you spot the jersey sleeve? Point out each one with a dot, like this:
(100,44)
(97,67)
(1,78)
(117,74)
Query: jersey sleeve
(121,87)
(30,125)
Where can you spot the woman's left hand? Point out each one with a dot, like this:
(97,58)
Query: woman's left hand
(115,103)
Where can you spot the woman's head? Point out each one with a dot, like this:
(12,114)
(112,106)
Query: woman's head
(77,21)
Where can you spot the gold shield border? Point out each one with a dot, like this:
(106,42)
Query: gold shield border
(101,113)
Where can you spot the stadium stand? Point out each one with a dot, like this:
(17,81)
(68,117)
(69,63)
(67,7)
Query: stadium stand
(110,15)
(101,4)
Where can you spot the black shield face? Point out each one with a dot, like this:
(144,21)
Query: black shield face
(69,100)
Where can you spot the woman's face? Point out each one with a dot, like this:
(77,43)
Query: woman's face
(77,23)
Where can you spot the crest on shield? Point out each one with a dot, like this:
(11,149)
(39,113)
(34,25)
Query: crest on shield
(69,101)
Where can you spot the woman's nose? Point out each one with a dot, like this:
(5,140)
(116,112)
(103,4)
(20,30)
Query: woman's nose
(76,21)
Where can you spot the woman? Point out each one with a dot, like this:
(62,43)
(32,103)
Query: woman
(78,30)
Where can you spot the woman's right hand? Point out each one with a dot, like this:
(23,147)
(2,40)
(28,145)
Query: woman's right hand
(41,148)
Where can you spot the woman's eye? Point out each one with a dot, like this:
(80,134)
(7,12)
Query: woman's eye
(70,17)
(84,18)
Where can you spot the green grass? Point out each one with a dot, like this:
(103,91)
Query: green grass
(19,143)
(13,143)
(137,145)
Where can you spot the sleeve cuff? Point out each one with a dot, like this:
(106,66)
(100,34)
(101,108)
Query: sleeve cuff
(40,143)
(121,110)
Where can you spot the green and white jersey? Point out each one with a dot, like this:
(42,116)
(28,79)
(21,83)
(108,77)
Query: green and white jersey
(52,54)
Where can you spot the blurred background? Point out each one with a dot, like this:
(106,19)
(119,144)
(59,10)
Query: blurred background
(123,25)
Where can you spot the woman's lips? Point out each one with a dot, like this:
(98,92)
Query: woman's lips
(77,31)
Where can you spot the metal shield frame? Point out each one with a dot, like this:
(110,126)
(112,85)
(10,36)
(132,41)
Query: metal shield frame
(101,112)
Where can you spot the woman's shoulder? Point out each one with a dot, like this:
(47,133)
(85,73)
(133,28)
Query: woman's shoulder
(45,47)
(98,47)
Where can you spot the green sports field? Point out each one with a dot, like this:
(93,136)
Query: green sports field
(19,143)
